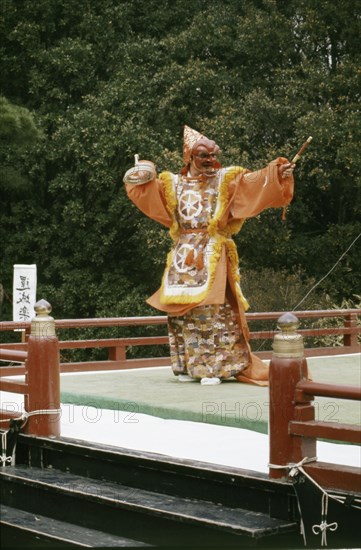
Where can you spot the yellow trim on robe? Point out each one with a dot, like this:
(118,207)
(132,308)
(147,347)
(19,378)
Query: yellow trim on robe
(232,254)
(235,225)
(171,202)
(184,296)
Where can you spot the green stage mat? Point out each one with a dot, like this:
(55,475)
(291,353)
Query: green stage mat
(156,391)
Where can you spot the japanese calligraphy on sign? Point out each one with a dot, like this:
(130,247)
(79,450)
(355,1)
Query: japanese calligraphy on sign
(24,292)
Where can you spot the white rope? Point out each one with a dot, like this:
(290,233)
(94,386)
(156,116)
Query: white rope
(42,411)
(298,466)
(292,465)
(5,459)
(24,417)
(324,526)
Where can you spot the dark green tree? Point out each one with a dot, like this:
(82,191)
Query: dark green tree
(115,78)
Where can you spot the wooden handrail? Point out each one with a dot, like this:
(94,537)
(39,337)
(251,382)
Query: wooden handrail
(327,430)
(117,346)
(13,355)
(114,342)
(144,340)
(14,386)
(309,388)
(162,319)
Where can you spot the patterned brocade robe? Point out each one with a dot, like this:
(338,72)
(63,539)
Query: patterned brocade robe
(200,289)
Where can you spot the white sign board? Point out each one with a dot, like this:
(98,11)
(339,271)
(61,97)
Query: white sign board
(24,292)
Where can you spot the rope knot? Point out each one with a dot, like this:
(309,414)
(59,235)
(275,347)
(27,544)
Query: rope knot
(323,527)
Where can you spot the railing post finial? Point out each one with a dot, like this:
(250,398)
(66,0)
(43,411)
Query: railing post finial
(288,342)
(43,325)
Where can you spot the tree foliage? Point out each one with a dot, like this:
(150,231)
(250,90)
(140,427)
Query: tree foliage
(17,134)
(104,80)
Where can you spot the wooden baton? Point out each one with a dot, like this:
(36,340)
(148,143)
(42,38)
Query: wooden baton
(297,155)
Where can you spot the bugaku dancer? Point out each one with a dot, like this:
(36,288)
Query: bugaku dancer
(204,206)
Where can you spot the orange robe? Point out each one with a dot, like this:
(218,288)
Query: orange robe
(242,194)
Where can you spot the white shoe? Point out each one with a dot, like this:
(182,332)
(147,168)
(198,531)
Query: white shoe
(210,381)
(185,378)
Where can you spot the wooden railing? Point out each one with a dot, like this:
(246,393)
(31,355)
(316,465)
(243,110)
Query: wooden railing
(41,386)
(117,347)
(293,430)
(305,391)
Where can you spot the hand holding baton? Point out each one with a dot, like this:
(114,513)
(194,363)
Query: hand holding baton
(297,155)
(287,169)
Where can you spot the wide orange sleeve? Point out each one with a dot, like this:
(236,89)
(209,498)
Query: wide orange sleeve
(150,200)
(256,191)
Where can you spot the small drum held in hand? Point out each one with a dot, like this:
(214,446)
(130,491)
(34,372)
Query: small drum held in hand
(141,173)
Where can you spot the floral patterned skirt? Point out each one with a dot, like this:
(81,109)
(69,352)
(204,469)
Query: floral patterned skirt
(207,342)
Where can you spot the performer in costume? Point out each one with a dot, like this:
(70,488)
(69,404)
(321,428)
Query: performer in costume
(203,206)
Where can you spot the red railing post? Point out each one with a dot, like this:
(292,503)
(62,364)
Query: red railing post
(42,374)
(350,340)
(117,353)
(288,366)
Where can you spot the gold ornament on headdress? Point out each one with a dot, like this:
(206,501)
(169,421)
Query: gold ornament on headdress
(190,137)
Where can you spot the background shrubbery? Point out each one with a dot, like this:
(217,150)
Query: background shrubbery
(86,85)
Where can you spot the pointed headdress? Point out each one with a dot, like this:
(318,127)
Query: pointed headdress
(192,140)
(190,137)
